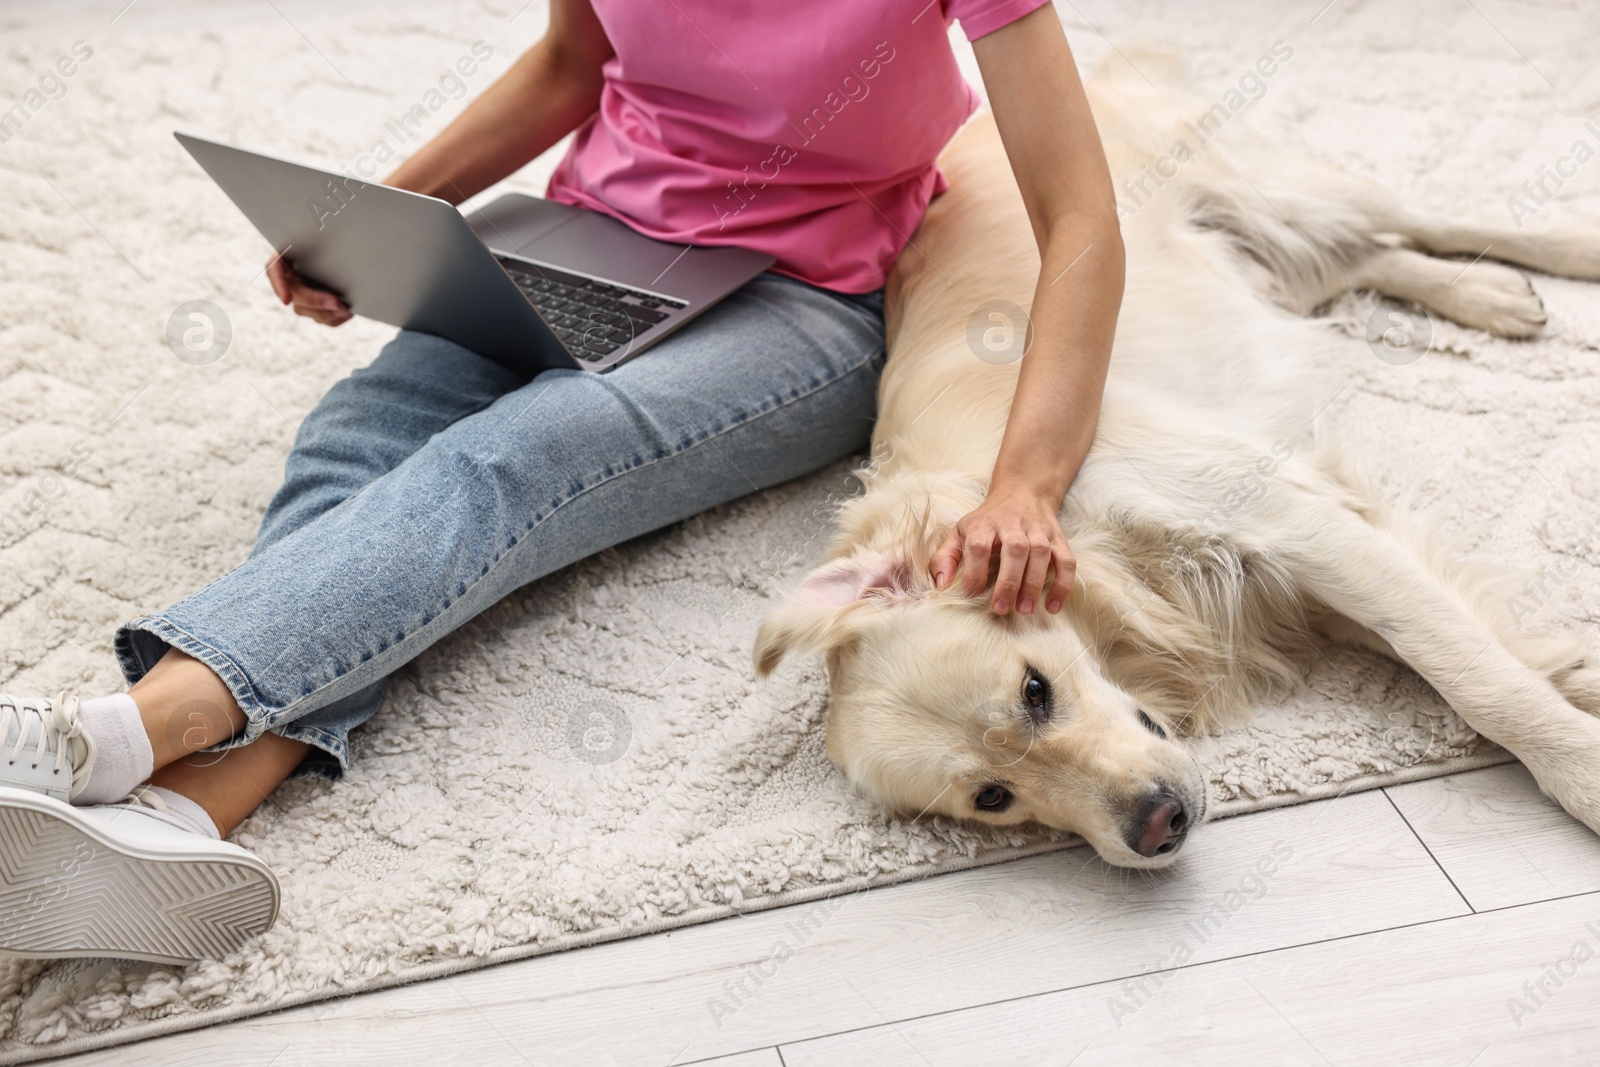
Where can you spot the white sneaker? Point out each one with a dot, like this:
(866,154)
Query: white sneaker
(43,747)
(124,880)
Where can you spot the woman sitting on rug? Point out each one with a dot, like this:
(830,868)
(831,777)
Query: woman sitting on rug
(427,486)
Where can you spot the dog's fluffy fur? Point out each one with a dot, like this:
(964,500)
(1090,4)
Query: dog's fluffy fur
(1217,532)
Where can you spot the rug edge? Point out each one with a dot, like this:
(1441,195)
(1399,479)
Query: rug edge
(117,1036)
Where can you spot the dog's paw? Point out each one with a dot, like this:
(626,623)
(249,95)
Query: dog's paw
(1570,775)
(1495,298)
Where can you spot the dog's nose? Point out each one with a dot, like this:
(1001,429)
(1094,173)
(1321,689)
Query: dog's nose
(1159,825)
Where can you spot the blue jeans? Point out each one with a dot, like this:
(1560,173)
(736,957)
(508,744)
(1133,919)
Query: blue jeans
(427,486)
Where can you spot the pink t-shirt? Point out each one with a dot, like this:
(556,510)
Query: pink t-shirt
(807,129)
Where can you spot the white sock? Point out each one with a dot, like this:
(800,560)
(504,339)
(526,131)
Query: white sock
(191,814)
(122,757)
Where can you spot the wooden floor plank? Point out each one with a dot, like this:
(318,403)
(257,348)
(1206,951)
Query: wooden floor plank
(1250,884)
(1501,840)
(1457,992)
(767,1057)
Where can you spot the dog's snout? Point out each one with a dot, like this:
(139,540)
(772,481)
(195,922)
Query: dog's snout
(1159,825)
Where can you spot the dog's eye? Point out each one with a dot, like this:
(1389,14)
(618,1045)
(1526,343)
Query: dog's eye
(1036,694)
(1151,725)
(992,798)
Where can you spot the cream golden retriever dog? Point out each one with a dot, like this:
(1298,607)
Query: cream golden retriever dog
(1217,531)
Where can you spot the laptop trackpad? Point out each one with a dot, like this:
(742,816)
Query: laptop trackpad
(601,246)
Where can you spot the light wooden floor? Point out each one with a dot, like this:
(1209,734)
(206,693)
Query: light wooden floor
(1390,927)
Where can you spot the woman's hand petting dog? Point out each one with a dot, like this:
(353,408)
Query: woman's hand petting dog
(308,299)
(1021,530)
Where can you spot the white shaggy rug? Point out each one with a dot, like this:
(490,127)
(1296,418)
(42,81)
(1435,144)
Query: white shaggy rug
(592,758)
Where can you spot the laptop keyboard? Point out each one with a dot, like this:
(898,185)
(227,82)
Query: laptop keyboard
(593,319)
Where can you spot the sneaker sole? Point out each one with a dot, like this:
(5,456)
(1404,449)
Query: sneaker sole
(67,889)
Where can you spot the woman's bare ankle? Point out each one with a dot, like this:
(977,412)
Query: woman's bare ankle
(185,707)
(231,784)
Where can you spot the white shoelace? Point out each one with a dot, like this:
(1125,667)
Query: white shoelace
(144,796)
(53,727)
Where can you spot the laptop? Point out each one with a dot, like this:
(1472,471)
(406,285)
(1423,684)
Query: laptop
(531,283)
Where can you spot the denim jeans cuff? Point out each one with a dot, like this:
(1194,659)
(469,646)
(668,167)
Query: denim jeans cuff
(330,755)
(141,642)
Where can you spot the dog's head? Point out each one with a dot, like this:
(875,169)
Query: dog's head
(941,706)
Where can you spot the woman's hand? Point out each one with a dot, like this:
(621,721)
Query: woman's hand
(308,299)
(1023,529)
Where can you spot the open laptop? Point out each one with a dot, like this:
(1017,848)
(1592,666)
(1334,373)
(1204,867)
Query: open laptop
(531,283)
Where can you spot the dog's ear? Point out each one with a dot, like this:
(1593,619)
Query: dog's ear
(815,617)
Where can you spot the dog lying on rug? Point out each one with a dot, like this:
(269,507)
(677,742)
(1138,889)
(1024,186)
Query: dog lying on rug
(1217,532)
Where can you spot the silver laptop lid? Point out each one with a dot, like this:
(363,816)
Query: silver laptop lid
(392,255)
